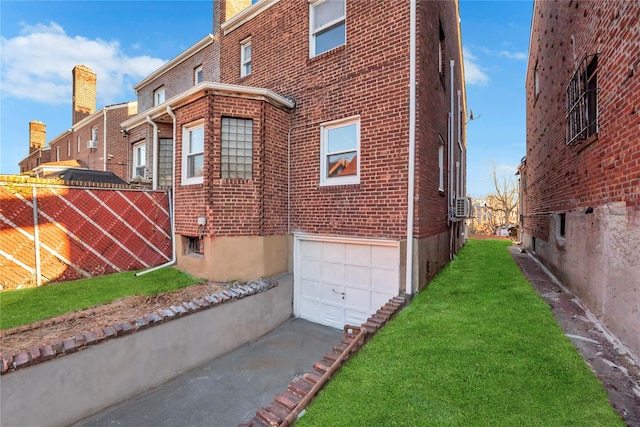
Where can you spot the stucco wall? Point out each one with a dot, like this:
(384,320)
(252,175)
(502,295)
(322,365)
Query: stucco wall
(599,262)
(64,390)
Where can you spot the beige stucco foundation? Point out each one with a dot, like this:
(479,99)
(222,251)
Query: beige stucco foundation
(241,258)
(598,260)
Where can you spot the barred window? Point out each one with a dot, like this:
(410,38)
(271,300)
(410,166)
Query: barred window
(236,155)
(582,101)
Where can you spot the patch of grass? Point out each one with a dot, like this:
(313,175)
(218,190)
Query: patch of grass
(477,347)
(24,306)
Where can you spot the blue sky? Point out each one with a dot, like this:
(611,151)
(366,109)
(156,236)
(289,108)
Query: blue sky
(123,41)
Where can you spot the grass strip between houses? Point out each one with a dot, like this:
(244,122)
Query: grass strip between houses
(477,347)
(24,306)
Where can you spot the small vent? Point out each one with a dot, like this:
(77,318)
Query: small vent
(463,207)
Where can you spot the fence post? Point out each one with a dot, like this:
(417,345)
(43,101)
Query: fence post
(36,236)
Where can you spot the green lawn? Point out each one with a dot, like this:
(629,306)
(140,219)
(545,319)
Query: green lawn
(24,306)
(477,347)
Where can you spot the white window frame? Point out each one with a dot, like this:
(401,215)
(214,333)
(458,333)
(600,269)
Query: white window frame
(245,63)
(313,33)
(57,153)
(325,180)
(159,96)
(68,148)
(186,129)
(135,163)
(78,142)
(196,71)
(94,134)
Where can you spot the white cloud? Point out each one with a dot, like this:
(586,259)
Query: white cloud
(521,56)
(37,64)
(473,74)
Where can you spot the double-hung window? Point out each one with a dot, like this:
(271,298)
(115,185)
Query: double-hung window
(328,27)
(245,57)
(139,159)
(582,101)
(339,151)
(236,155)
(193,153)
(197,75)
(158,96)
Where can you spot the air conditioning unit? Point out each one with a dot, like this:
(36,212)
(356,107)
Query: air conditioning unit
(92,144)
(463,207)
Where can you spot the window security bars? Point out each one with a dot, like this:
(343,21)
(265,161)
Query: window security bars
(582,105)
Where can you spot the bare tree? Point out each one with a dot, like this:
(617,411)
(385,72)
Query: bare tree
(505,199)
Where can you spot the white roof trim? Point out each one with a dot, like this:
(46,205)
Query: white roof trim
(206,41)
(246,15)
(248,92)
(98,114)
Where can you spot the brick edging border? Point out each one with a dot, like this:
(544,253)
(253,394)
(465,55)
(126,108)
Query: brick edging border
(44,352)
(285,407)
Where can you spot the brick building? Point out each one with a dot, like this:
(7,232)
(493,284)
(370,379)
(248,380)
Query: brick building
(321,136)
(580,180)
(94,139)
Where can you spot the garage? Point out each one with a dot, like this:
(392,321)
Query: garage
(340,281)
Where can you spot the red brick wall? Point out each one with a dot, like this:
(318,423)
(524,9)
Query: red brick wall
(84,93)
(561,177)
(365,78)
(180,78)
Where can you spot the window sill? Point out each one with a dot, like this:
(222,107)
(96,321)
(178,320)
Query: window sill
(593,138)
(338,187)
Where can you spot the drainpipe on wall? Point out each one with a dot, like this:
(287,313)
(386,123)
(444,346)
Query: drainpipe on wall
(104,139)
(154,158)
(412,150)
(451,133)
(172,205)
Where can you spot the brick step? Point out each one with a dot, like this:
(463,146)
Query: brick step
(312,377)
(288,399)
(269,418)
(301,387)
(331,357)
(321,366)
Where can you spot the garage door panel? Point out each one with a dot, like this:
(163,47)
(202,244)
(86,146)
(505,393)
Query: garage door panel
(384,279)
(357,275)
(332,316)
(332,272)
(311,289)
(353,317)
(311,268)
(311,249)
(379,299)
(358,299)
(333,251)
(358,254)
(384,255)
(332,294)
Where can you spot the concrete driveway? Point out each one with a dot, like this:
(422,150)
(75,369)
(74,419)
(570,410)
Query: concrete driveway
(228,390)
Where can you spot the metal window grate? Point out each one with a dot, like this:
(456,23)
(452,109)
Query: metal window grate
(582,101)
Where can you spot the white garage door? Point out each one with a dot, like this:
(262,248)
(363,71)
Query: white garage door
(343,281)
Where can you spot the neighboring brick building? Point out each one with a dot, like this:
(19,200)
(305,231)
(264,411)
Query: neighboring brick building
(95,138)
(305,148)
(581,176)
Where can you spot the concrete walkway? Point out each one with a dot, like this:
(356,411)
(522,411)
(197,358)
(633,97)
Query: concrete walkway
(228,390)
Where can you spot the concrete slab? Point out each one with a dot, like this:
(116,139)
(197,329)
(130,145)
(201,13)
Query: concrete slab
(228,390)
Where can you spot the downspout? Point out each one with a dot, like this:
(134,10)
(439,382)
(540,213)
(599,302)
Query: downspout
(451,133)
(172,203)
(154,158)
(412,149)
(104,139)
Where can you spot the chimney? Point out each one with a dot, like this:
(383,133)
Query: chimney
(37,135)
(84,93)
(227,9)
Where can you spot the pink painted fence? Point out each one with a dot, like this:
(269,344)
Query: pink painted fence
(51,232)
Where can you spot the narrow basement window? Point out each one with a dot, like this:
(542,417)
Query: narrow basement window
(563,220)
(195,245)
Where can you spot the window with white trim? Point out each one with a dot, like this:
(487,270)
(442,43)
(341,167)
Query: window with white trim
(442,66)
(57,154)
(94,134)
(193,153)
(328,26)
(139,159)
(158,96)
(197,75)
(339,151)
(68,148)
(236,154)
(78,142)
(245,57)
